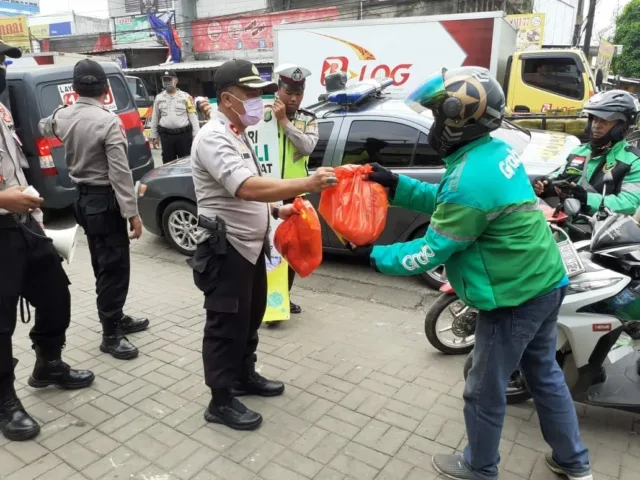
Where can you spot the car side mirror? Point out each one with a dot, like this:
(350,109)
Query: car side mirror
(572,206)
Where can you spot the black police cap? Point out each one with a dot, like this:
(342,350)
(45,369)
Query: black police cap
(89,73)
(242,73)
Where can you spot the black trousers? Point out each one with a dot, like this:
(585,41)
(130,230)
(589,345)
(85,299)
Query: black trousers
(292,272)
(31,268)
(235,292)
(175,145)
(97,212)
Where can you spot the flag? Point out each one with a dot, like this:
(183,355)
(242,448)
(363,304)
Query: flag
(168,34)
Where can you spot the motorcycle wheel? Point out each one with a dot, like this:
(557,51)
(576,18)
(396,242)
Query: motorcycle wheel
(462,327)
(517,391)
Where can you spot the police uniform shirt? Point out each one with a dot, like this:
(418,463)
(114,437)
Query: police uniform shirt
(95,143)
(222,159)
(302,130)
(12,161)
(173,112)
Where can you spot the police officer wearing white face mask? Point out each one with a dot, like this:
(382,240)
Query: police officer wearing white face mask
(229,264)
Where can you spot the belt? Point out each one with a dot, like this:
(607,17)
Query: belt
(175,131)
(9,220)
(94,189)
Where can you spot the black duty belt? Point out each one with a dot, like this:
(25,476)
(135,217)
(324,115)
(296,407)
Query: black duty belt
(12,221)
(175,131)
(94,189)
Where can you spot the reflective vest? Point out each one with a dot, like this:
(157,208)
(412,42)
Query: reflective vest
(292,164)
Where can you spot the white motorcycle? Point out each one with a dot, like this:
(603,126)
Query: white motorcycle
(600,305)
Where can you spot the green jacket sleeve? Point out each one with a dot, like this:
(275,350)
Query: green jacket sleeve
(456,223)
(627,201)
(415,195)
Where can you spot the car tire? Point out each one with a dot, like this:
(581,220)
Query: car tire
(185,213)
(433,278)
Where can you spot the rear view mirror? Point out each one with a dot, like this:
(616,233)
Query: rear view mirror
(572,206)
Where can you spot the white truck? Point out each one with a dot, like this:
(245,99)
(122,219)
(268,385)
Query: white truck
(407,50)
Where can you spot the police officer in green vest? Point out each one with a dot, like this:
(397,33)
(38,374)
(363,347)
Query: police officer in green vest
(297,131)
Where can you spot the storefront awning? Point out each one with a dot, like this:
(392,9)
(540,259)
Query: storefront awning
(186,66)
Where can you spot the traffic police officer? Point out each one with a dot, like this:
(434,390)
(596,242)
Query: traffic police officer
(96,148)
(32,271)
(174,121)
(297,131)
(229,263)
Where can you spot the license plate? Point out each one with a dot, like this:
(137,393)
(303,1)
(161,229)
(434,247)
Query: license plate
(572,262)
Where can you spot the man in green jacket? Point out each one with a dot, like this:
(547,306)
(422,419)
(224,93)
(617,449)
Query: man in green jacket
(500,257)
(611,115)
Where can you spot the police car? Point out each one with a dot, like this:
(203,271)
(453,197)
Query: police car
(357,124)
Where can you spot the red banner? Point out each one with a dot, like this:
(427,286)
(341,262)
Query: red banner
(251,32)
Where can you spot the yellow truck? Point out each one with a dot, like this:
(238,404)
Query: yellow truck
(144,101)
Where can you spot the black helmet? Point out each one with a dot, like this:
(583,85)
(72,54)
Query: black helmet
(613,105)
(467,103)
(89,78)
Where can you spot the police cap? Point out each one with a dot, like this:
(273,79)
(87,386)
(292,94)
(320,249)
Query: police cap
(242,73)
(9,51)
(292,76)
(169,74)
(89,78)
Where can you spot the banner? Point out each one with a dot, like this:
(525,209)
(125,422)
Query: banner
(530,28)
(15,32)
(250,32)
(605,56)
(136,29)
(264,138)
(51,30)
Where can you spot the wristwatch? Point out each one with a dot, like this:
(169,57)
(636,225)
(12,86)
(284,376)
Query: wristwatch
(275,211)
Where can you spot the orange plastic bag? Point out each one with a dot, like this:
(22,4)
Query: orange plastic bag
(299,239)
(356,209)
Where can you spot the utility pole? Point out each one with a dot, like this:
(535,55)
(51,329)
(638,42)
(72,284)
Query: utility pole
(587,34)
(577,32)
(186,14)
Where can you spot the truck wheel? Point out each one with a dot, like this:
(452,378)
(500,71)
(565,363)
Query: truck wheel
(433,278)
(517,390)
(180,224)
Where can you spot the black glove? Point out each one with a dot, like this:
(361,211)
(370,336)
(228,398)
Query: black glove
(548,190)
(363,252)
(579,193)
(384,177)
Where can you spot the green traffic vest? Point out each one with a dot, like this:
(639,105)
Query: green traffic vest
(292,164)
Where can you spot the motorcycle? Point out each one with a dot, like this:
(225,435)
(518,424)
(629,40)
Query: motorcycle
(457,336)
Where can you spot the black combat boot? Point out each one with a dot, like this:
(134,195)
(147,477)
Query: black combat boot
(229,411)
(117,345)
(129,324)
(15,422)
(252,383)
(51,370)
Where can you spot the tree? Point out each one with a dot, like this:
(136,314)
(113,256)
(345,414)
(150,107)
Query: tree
(628,35)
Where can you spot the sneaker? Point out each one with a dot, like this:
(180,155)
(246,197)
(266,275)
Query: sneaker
(584,474)
(452,466)
(234,414)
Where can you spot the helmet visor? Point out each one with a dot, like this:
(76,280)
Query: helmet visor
(606,115)
(429,94)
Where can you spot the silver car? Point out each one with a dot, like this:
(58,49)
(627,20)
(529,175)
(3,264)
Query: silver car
(381,130)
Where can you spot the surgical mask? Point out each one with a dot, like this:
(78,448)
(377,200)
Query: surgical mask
(3,79)
(168,86)
(254,111)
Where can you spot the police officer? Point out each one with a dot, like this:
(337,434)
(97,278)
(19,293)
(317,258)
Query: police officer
(31,270)
(229,262)
(612,115)
(96,148)
(174,122)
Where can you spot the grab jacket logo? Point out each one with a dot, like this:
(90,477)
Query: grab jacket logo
(398,73)
(413,261)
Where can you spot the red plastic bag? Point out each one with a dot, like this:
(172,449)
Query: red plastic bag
(356,209)
(299,239)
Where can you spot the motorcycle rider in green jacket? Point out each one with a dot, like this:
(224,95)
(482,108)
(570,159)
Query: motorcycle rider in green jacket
(612,115)
(500,257)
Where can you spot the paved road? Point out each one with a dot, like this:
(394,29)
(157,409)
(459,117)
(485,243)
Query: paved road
(366,396)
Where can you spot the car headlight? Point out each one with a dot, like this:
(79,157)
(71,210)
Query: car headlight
(580,287)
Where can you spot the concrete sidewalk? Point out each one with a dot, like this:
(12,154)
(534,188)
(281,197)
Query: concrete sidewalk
(366,396)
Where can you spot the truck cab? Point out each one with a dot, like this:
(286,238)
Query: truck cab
(548,81)
(144,102)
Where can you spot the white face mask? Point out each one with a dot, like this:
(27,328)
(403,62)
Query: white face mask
(254,111)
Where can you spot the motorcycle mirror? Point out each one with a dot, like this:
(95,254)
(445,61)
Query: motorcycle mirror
(572,206)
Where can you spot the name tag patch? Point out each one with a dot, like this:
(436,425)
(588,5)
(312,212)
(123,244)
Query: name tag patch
(578,161)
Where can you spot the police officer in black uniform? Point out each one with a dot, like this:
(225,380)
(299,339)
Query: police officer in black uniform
(31,270)
(96,147)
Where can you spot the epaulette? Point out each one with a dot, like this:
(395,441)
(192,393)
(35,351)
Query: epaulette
(307,112)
